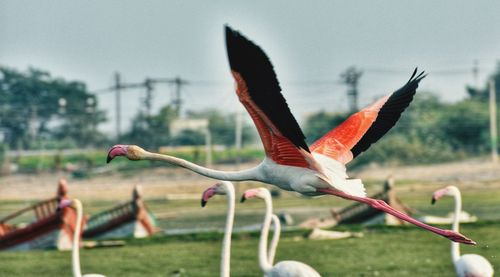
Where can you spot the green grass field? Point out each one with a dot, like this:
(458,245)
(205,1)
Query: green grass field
(383,251)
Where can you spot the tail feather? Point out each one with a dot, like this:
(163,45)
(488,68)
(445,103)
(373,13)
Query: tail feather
(355,187)
(336,176)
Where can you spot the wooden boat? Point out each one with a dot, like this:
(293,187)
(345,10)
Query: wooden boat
(50,227)
(131,219)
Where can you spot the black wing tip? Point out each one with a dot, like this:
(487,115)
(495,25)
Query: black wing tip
(230,33)
(392,110)
(236,46)
(418,77)
(228,29)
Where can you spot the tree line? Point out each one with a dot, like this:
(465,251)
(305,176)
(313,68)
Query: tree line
(38,111)
(429,131)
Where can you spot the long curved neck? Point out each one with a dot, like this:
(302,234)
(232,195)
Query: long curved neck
(242,175)
(275,240)
(75,252)
(263,259)
(226,243)
(455,247)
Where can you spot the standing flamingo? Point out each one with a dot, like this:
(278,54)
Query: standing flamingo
(289,163)
(227,188)
(468,264)
(275,240)
(284,268)
(223,188)
(75,251)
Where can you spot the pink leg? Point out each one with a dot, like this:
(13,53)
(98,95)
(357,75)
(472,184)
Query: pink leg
(383,206)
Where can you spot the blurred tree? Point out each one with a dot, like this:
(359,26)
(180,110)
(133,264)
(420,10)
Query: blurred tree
(3,150)
(151,131)
(482,94)
(30,109)
(465,125)
(428,131)
(189,137)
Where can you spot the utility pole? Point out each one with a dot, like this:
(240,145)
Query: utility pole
(177,101)
(118,87)
(148,84)
(351,77)
(177,82)
(493,122)
(118,105)
(475,74)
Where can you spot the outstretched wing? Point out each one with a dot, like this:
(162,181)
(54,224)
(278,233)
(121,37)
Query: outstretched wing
(258,90)
(365,127)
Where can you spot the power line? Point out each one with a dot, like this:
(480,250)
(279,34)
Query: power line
(148,85)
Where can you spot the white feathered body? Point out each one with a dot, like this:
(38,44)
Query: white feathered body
(472,265)
(306,181)
(292,269)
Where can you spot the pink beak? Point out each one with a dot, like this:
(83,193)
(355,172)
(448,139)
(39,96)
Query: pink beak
(438,194)
(207,194)
(63,204)
(248,194)
(117,150)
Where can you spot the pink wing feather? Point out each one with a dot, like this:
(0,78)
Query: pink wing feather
(365,127)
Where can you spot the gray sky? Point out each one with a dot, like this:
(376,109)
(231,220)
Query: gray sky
(307,41)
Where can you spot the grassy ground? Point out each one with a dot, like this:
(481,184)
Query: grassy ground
(383,251)
(482,200)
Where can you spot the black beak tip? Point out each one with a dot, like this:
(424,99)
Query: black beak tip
(242,199)
(203,203)
(108,159)
(433,201)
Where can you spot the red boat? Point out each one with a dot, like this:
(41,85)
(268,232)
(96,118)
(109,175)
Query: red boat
(131,219)
(49,226)
(364,214)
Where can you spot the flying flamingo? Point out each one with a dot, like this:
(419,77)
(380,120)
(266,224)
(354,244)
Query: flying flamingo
(469,264)
(227,188)
(284,268)
(289,163)
(75,252)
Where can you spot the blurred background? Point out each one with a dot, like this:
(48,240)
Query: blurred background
(77,77)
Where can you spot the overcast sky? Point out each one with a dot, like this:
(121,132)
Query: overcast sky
(309,42)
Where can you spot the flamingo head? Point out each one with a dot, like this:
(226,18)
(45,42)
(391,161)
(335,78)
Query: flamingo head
(220,188)
(257,192)
(447,191)
(132,152)
(72,203)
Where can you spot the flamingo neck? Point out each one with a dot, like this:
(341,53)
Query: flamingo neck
(275,240)
(75,252)
(241,175)
(455,247)
(263,259)
(226,243)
